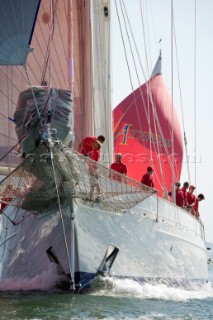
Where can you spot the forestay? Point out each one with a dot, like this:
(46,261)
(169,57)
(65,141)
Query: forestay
(35,183)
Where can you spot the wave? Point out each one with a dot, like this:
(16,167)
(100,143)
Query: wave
(134,289)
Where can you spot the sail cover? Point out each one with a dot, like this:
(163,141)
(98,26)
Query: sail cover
(48,62)
(16,27)
(145,123)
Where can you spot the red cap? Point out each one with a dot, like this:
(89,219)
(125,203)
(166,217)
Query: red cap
(192,187)
(149,169)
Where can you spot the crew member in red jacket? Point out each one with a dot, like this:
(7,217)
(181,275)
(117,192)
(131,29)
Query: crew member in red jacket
(199,198)
(178,195)
(190,198)
(93,170)
(147,178)
(118,166)
(88,144)
(184,191)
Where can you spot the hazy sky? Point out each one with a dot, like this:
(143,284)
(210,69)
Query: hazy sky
(157,24)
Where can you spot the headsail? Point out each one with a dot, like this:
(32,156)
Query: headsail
(48,65)
(61,38)
(17,24)
(143,132)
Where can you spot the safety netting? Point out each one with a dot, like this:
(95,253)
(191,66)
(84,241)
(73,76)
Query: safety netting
(52,176)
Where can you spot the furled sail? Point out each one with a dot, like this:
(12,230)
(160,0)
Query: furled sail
(60,36)
(17,21)
(46,26)
(145,124)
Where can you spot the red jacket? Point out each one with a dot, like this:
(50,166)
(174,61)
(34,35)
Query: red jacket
(195,207)
(94,155)
(190,197)
(119,167)
(87,145)
(179,198)
(184,191)
(147,179)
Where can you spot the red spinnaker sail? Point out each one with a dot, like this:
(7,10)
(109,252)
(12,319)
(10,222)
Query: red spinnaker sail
(143,133)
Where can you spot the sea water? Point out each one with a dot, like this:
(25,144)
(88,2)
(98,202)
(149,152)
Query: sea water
(109,299)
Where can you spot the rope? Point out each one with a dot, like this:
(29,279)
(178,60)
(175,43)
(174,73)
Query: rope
(181,104)
(62,219)
(149,92)
(147,112)
(147,64)
(144,36)
(125,51)
(152,103)
(34,98)
(195,91)
(9,123)
(172,96)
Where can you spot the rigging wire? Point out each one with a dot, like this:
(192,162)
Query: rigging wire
(152,102)
(172,97)
(154,27)
(32,128)
(55,63)
(58,52)
(38,112)
(6,117)
(161,132)
(151,105)
(150,94)
(147,83)
(34,98)
(144,36)
(70,59)
(9,106)
(181,104)
(147,112)
(124,46)
(134,64)
(13,83)
(62,219)
(135,100)
(195,89)
(148,107)
(5,135)
(27,78)
(51,32)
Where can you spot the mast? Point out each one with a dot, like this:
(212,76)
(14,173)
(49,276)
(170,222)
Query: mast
(101,75)
(82,70)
